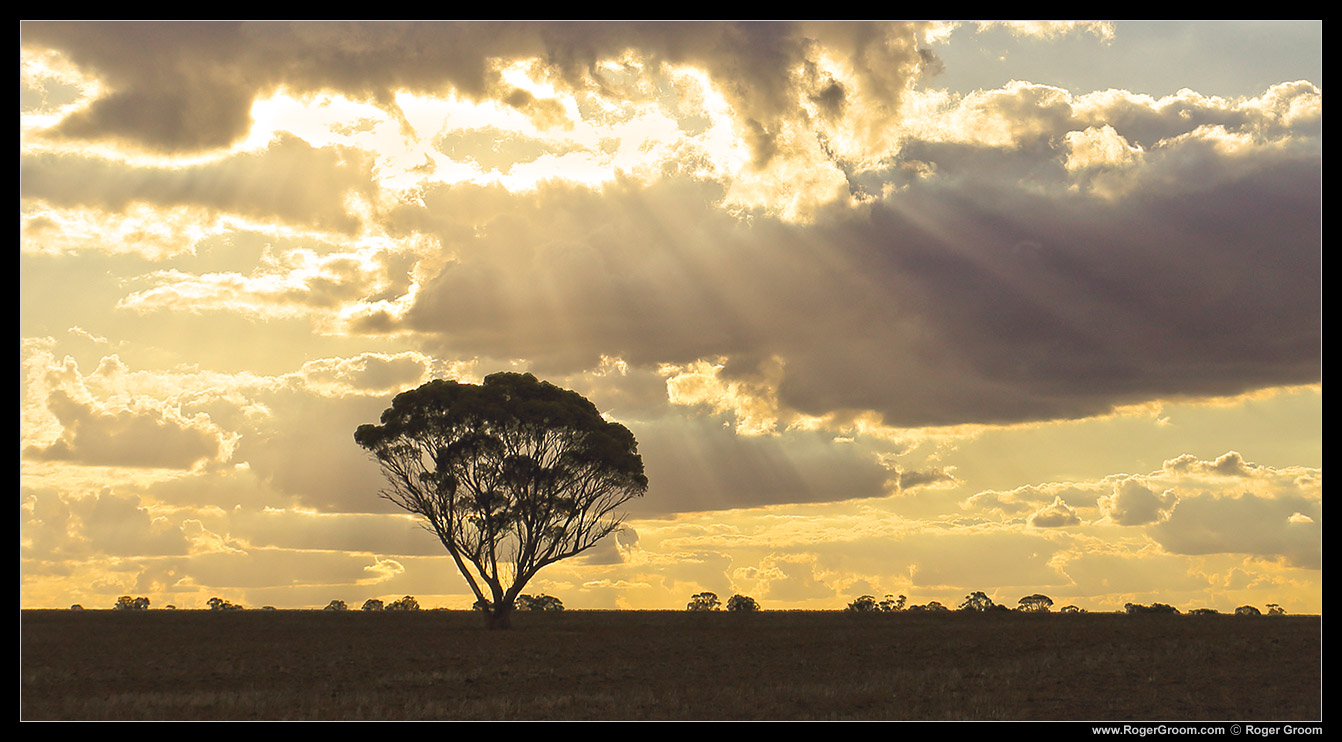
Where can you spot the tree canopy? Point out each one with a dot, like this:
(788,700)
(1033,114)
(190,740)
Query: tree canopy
(742,604)
(704,602)
(1037,603)
(511,475)
(978,601)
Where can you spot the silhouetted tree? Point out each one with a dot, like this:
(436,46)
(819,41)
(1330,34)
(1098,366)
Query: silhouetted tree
(742,604)
(892,604)
(1275,610)
(408,603)
(127,603)
(219,604)
(1155,608)
(335,605)
(76,607)
(372,604)
(704,602)
(1247,610)
(1036,603)
(539,603)
(977,601)
(863,604)
(1071,609)
(1204,612)
(511,475)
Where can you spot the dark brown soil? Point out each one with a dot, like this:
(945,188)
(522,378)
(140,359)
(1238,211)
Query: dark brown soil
(668,665)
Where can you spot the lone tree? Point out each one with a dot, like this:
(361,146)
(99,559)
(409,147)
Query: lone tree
(511,475)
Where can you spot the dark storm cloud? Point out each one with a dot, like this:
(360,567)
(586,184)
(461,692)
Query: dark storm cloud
(188,86)
(981,303)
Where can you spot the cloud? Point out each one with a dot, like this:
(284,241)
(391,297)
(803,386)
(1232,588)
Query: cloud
(190,86)
(1134,504)
(696,464)
(987,305)
(137,437)
(1270,527)
(1055,515)
(288,181)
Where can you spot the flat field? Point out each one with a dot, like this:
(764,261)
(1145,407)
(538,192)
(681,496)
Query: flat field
(648,665)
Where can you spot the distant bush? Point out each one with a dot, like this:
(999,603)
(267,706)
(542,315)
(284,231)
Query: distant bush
(1133,609)
(1247,610)
(127,603)
(372,604)
(742,604)
(408,603)
(336,605)
(219,604)
(538,603)
(1035,604)
(892,603)
(978,601)
(704,602)
(863,604)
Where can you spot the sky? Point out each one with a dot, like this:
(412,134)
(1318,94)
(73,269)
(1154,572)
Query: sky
(918,308)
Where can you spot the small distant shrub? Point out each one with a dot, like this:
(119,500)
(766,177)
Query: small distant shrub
(335,605)
(704,602)
(1035,604)
(742,604)
(408,603)
(372,604)
(1247,610)
(863,604)
(893,604)
(127,603)
(1133,609)
(219,604)
(538,603)
(977,601)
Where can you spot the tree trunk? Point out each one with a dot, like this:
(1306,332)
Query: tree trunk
(499,617)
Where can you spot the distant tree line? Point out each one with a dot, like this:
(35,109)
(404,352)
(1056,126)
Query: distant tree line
(975,602)
(979,602)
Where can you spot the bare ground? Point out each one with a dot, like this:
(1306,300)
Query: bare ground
(639,665)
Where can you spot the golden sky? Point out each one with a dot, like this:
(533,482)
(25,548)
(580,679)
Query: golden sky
(907,308)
